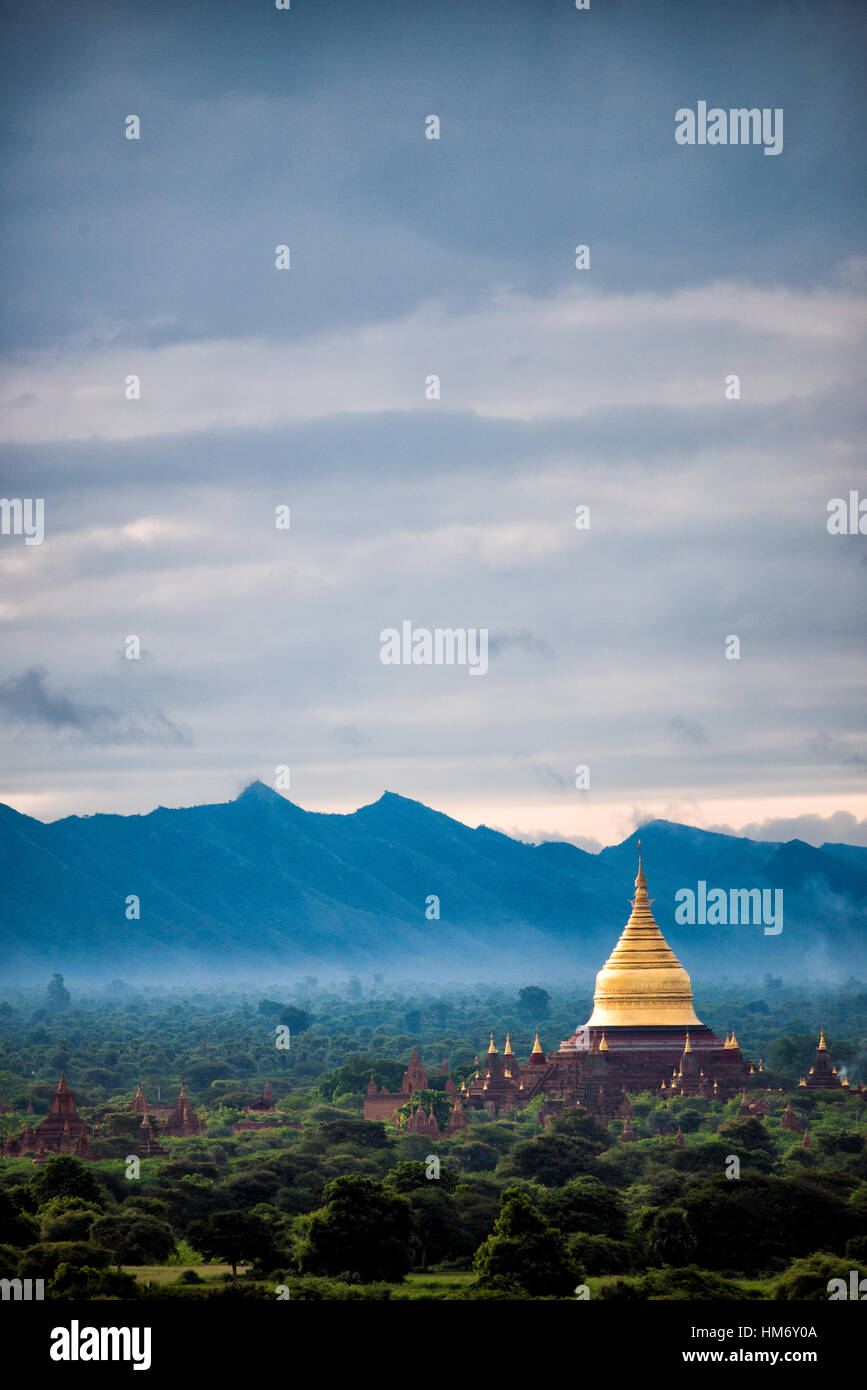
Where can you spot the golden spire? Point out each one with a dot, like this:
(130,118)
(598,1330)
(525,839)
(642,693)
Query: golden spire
(727,1043)
(687,1045)
(734,1041)
(537,1046)
(603,1045)
(492,1048)
(507,1050)
(823,1046)
(642,983)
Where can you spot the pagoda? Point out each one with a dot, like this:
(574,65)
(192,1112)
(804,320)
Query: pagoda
(822,1074)
(642,1035)
(63,1131)
(380,1104)
(178,1121)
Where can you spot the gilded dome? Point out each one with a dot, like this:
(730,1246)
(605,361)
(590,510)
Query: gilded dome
(642,983)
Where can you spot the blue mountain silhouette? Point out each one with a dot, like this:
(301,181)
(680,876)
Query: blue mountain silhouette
(258,884)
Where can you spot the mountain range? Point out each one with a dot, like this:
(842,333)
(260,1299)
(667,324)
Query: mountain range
(262,886)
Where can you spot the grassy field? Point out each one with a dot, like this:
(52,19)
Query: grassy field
(169,1274)
(417,1286)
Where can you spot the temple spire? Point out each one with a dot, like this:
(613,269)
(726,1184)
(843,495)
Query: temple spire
(642,983)
(640,880)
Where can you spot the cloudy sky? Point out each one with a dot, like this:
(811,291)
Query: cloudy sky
(559,387)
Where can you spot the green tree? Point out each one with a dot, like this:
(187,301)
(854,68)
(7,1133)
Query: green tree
(65,1176)
(41,1261)
(746,1134)
(85,1283)
(525,1250)
(57,995)
(234,1236)
(134,1238)
(586,1204)
(16,1227)
(808,1279)
(412,1174)
(535,1002)
(363,1228)
(670,1239)
(67,1218)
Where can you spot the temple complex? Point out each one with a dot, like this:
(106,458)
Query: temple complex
(63,1131)
(176,1121)
(642,1035)
(381,1104)
(822,1074)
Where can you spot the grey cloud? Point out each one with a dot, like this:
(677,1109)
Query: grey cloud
(522,641)
(829,749)
(546,773)
(27,700)
(841,827)
(351,736)
(545,837)
(687,731)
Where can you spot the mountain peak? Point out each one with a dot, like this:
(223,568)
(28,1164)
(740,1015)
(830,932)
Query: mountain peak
(260,791)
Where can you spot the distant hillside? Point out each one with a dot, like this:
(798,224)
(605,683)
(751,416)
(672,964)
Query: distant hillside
(259,885)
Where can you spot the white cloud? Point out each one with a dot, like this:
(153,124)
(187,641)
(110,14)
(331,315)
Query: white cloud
(519,358)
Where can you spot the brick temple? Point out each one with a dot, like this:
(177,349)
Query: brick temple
(643,1035)
(177,1121)
(63,1131)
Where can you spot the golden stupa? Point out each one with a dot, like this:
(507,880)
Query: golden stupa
(642,984)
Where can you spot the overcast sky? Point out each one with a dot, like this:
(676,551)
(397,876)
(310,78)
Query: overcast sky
(559,387)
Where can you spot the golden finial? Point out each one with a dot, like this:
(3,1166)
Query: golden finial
(507,1050)
(603,1046)
(734,1041)
(537,1046)
(687,1045)
(491,1048)
(640,880)
(823,1047)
